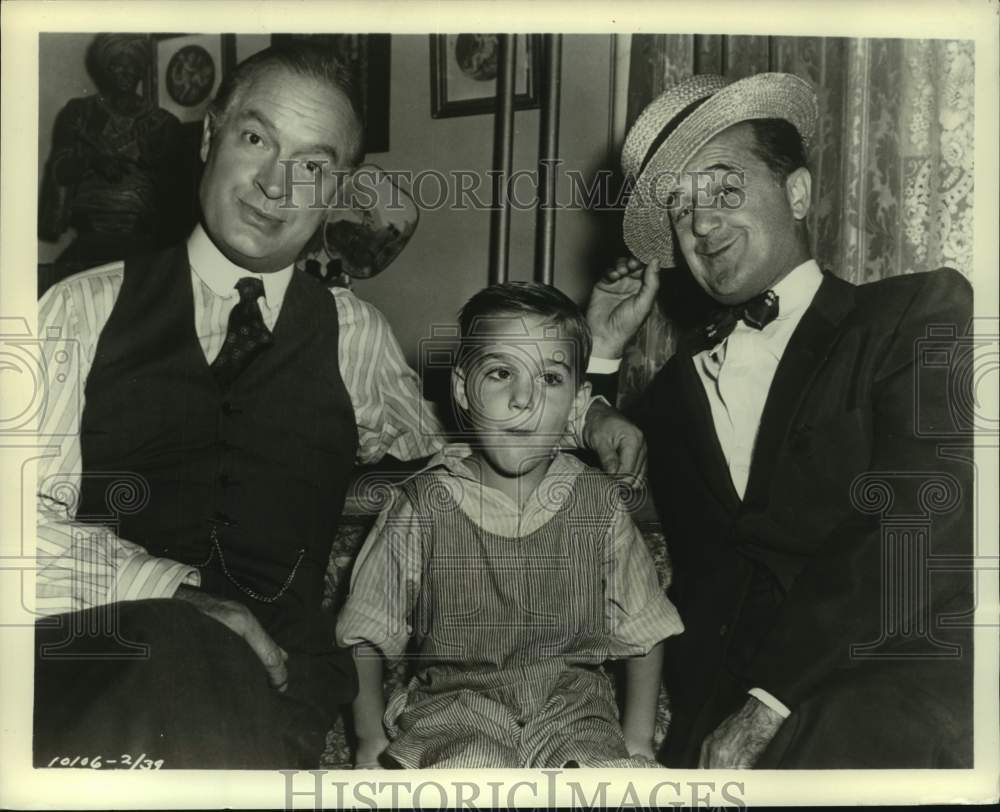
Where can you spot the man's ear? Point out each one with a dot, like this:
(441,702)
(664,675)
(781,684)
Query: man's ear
(207,131)
(458,388)
(798,189)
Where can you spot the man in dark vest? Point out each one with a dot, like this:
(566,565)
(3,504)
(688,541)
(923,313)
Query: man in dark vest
(216,441)
(810,462)
(186,520)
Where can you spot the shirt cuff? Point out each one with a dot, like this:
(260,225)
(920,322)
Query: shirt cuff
(603,366)
(145,576)
(362,623)
(773,703)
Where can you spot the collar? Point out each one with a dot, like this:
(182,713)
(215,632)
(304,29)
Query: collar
(494,511)
(454,455)
(221,275)
(796,291)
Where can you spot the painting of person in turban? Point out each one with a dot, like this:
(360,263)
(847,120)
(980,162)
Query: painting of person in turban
(112,173)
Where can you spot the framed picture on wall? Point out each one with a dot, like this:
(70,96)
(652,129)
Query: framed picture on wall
(464,73)
(367,57)
(187,70)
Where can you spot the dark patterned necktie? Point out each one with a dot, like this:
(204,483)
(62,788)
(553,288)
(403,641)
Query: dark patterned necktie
(757,313)
(246,336)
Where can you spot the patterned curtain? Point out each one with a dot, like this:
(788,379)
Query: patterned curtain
(892,162)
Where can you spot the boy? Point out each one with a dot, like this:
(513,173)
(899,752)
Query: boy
(514,569)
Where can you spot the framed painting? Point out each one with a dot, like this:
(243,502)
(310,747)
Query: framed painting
(367,57)
(464,73)
(187,70)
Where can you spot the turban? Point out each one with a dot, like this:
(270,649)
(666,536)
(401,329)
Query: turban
(107,46)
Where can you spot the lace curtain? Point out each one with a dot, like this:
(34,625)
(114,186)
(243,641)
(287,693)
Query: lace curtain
(892,161)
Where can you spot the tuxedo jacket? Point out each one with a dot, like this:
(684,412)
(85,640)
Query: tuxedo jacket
(848,545)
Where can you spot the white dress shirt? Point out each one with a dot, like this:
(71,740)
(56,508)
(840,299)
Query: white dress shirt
(737,374)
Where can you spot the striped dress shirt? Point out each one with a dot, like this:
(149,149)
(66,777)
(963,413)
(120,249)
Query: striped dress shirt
(81,565)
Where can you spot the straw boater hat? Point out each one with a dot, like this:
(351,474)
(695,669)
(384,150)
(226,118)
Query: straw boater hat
(677,124)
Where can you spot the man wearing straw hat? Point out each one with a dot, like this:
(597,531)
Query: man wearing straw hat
(807,461)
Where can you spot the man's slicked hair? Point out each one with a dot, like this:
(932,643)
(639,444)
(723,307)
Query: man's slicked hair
(528,298)
(303,59)
(779,145)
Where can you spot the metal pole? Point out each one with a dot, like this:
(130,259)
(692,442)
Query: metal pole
(548,152)
(503,157)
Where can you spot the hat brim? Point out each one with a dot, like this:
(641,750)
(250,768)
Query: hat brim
(646,226)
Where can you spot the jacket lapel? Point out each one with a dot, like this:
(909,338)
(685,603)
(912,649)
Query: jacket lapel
(702,436)
(809,345)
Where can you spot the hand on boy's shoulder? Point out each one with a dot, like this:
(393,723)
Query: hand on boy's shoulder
(625,493)
(618,443)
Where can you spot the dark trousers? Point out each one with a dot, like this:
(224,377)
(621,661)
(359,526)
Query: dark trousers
(900,714)
(157,679)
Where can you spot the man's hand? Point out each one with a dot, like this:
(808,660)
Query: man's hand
(619,304)
(236,617)
(741,738)
(618,443)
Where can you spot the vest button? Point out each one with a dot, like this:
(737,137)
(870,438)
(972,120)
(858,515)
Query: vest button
(723,629)
(227,408)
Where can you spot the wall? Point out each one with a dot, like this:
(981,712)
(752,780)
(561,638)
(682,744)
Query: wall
(446,260)
(62,77)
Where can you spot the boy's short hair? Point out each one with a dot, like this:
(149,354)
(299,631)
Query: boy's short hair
(532,298)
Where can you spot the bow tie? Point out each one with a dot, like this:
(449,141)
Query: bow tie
(757,313)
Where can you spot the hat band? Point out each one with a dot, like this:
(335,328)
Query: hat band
(668,130)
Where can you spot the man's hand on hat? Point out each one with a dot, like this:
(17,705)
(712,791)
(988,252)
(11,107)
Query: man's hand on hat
(738,742)
(237,618)
(619,304)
